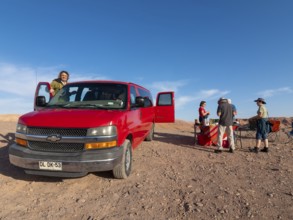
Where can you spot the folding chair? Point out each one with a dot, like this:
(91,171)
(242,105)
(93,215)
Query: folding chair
(289,135)
(275,128)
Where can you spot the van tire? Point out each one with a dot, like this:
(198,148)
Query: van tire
(123,169)
(150,135)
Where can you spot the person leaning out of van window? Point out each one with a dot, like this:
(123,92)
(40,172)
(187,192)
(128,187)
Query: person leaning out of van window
(58,83)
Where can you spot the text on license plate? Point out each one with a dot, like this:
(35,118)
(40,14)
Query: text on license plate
(50,165)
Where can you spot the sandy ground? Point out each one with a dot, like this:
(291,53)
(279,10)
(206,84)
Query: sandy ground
(172,178)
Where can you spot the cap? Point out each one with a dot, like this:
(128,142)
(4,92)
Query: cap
(222,99)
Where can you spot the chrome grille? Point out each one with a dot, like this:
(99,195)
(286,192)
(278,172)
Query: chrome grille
(60,131)
(55,147)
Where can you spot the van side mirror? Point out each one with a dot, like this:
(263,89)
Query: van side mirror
(139,101)
(41,101)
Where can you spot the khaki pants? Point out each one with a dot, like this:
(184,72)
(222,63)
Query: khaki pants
(229,131)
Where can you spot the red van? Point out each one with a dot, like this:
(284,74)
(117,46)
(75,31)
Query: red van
(87,126)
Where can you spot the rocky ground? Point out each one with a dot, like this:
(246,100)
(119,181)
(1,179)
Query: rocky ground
(172,178)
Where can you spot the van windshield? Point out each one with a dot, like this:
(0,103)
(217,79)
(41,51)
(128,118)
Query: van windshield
(91,95)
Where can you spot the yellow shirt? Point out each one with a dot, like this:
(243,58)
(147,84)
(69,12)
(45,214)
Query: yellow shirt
(56,84)
(262,111)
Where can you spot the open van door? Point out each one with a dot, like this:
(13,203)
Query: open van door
(165,107)
(43,89)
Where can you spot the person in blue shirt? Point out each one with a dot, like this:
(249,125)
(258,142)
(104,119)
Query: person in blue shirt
(233,108)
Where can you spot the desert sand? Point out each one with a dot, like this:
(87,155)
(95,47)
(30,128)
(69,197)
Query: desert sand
(172,178)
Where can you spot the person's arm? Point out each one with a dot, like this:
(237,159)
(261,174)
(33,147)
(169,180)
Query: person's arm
(54,87)
(234,110)
(204,113)
(207,113)
(260,112)
(219,111)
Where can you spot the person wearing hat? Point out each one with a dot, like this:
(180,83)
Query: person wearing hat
(262,128)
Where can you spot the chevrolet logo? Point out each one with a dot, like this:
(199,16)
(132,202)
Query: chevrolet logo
(54,138)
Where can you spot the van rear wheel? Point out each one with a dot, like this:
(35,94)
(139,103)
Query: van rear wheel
(123,169)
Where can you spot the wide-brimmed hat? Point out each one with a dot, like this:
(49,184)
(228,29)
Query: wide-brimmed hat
(260,100)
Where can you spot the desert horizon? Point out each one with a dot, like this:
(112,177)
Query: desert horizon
(286,121)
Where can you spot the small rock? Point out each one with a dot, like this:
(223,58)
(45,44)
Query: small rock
(186,207)
(199,204)
(221,211)
(270,194)
(139,185)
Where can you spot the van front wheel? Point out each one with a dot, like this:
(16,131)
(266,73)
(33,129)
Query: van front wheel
(150,135)
(123,169)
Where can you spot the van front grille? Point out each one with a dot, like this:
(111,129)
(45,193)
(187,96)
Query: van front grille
(55,147)
(73,132)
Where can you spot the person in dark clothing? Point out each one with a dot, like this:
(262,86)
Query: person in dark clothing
(225,112)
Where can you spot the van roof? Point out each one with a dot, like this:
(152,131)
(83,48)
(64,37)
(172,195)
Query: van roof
(107,81)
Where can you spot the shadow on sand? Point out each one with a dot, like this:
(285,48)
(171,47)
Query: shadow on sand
(188,141)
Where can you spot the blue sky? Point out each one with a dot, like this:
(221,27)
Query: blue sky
(201,49)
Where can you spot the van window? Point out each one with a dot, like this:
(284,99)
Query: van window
(43,91)
(132,95)
(91,95)
(145,93)
(147,102)
(165,99)
(73,91)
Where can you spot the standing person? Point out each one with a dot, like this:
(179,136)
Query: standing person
(225,112)
(58,83)
(203,113)
(262,127)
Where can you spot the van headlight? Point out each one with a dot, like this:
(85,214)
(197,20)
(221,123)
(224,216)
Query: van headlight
(20,128)
(102,131)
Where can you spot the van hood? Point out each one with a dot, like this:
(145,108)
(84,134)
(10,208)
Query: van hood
(71,118)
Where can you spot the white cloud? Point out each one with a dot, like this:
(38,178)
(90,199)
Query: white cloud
(272,92)
(211,94)
(168,85)
(16,105)
(181,101)
(19,83)
(21,80)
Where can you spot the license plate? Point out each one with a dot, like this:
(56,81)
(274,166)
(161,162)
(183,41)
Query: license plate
(50,165)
